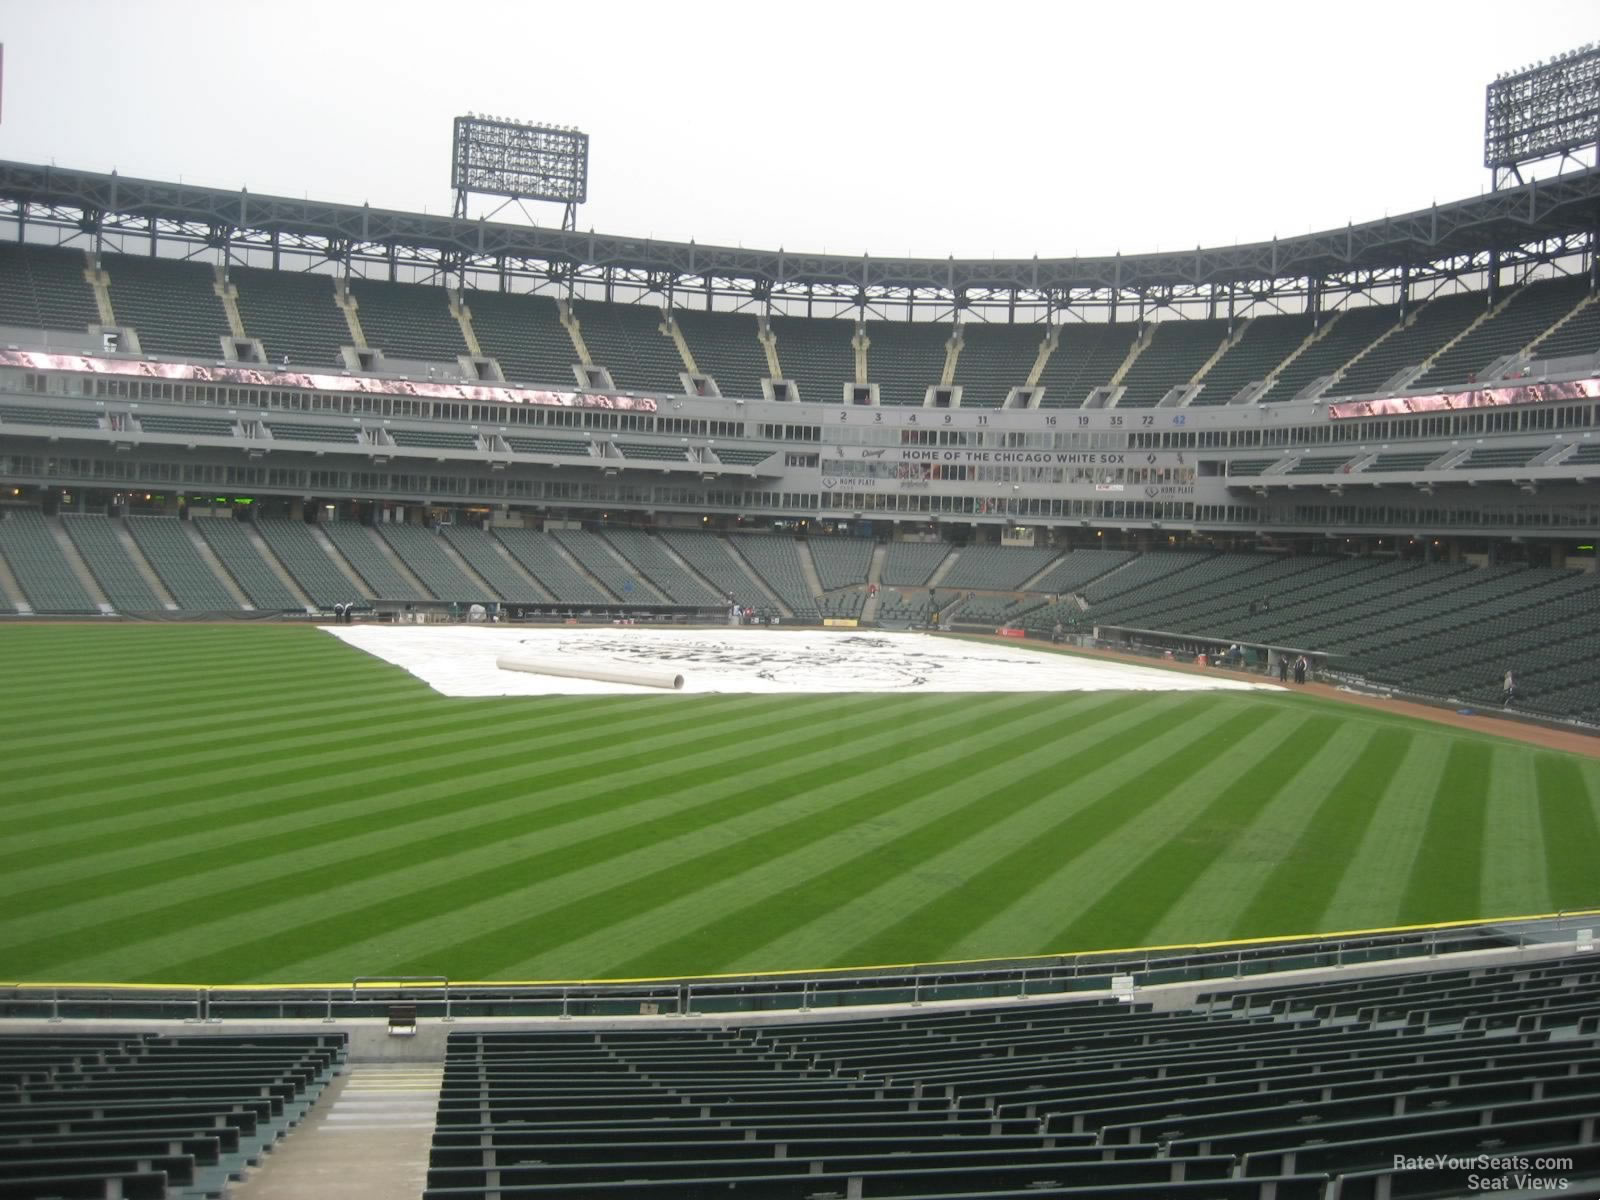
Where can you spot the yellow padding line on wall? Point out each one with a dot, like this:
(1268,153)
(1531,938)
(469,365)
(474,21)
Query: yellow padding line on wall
(378,984)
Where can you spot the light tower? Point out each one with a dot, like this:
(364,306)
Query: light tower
(517,160)
(1548,110)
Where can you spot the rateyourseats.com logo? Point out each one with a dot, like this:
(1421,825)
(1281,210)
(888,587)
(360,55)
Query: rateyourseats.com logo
(1496,1173)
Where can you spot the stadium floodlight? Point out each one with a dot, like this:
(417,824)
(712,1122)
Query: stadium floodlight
(497,156)
(1544,111)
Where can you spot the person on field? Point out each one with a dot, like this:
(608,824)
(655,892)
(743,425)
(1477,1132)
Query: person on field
(1283,668)
(1300,669)
(1508,689)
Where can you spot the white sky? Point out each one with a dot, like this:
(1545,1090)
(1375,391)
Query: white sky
(897,128)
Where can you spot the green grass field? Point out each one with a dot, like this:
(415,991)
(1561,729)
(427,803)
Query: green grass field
(263,804)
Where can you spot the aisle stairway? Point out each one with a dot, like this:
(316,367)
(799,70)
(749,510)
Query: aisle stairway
(367,1140)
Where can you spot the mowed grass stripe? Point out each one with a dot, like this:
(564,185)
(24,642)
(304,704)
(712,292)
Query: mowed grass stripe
(927,932)
(1240,868)
(321,780)
(1297,893)
(167,667)
(294,687)
(1571,832)
(315,785)
(734,932)
(153,646)
(183,709)
(1444,880)
(1511,876)
(205,773)
(159,712)
(988,738)
(260,740)
(331,821)
(1008,870)
(389,814)
(125,718)
(240,886)
(242,674)
(622,929)
(459,885)
(439,852)
(131,654)
(1127,911)
(325,820)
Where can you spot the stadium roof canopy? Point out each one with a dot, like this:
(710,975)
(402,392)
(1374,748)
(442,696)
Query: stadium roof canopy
(1535,222)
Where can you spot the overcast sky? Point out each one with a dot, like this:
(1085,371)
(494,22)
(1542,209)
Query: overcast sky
(972,129)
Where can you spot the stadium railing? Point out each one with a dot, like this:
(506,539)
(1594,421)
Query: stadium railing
(899,985)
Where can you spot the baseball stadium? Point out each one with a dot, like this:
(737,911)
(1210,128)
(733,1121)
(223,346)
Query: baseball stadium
(503,711)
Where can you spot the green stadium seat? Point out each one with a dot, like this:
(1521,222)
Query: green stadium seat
(627,340)
(1086,357)
(479,548)
(250,572)
(539,556)
(727,347)
(173,305)
(167,548)
(355,542)
(39,566)
(408,320)
(43,287)
(109,562)
(817,356)
(525,336)
(294,315)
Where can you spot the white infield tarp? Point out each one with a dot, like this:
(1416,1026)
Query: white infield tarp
(460,660)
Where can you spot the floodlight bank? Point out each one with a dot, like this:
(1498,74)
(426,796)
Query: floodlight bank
(535,664)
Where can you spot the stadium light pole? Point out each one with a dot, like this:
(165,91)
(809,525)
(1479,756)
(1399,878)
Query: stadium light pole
(1549,110)
(519,161)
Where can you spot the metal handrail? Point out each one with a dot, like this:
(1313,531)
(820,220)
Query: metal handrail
(914,984)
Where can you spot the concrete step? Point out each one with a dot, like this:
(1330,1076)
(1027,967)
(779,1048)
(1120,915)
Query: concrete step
(366,1138)
(808,568)
(869,611)
(942,570)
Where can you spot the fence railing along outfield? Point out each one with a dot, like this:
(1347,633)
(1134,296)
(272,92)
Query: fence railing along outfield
(901,985)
